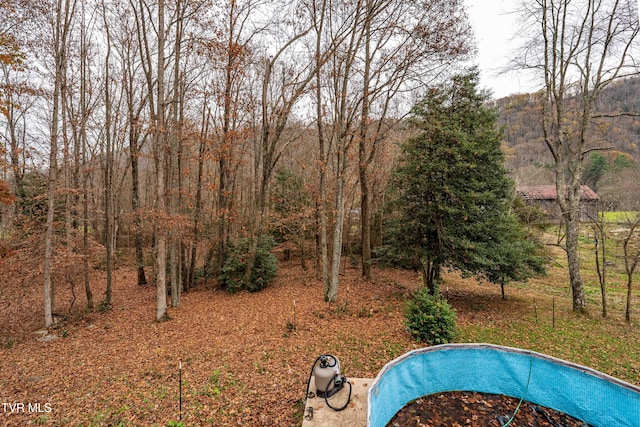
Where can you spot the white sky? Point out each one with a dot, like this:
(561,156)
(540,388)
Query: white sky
(493,22)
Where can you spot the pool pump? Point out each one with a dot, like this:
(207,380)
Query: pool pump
(329,381)
(327,376)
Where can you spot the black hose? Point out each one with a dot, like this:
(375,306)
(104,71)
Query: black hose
(311,395)
(335,362)
(526,390)
(326,399)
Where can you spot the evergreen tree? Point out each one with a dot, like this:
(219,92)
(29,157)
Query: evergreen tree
(452,194)
(595,170)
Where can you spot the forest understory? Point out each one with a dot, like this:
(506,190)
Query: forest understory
(245,357)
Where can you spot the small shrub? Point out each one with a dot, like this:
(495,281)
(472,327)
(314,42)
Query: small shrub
(264,269)
(201,274)
(266,266)
(232,275)
(430,319)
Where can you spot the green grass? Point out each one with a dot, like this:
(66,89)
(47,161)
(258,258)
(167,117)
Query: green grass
(603,344)
(619,217)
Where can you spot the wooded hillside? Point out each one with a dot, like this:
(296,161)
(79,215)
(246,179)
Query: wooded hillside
(187,130)
(616,138)
(178,134)
(153,150)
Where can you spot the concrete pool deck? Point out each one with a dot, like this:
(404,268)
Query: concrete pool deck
(354,415)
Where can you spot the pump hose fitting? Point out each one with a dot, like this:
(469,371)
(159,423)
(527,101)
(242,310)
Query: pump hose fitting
(342,379)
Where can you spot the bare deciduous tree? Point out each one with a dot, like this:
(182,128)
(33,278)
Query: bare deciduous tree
(404,47)
(580,47)
(631,253)
(62,25)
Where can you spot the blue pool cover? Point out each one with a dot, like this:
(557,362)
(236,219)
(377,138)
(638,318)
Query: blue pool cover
(583,393)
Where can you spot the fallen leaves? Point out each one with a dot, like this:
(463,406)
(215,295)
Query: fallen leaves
(465,408)
(241,365)
(242,362)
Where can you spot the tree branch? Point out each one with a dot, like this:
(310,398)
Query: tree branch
(590,150)
(610,115)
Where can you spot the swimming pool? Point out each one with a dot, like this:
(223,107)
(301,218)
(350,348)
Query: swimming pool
(586,394)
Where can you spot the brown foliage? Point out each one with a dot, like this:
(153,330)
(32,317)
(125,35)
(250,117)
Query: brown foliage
(462,408)
(245,360)
(21,276)
(6,196)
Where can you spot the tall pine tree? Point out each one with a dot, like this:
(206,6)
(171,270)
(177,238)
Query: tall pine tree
(452,194)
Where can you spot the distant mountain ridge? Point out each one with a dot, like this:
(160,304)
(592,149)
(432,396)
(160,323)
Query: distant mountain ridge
(523,139)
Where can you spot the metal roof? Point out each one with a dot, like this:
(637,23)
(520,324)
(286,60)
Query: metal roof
(548,192)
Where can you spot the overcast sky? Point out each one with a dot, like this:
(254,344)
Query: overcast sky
(493,22)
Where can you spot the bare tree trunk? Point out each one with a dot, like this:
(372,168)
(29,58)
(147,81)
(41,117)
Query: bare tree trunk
(160,149)
(224,193)
(176,161)
(601,259)
(108,170)
(581,51)
(133,113)
(16,166)
(322,151)
(224,189)
(48,248)
(344,60)
(62,25)
(332,292)
(627,312)
(135,203)
(365,215)
(175,283)
(85,236)
(631,260)
(154,189)
(204,134)
(301,246)
(573,258)
(66,161)
(85,178)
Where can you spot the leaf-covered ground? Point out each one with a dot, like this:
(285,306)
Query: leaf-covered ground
(244,360)
(463,408)
(246,357)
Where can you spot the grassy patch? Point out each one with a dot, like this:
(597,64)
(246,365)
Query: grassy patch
(542,320)
(619,217)
(590,341)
